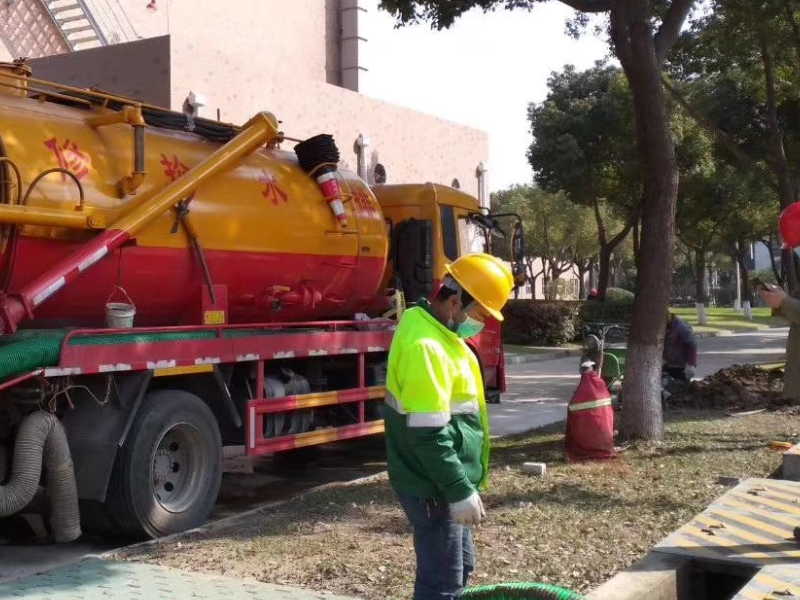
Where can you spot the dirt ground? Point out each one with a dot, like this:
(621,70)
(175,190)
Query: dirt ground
(737,388)
(575,527)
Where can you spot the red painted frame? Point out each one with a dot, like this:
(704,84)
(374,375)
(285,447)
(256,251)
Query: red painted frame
(270,341)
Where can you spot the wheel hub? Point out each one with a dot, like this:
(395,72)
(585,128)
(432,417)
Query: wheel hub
(177,468)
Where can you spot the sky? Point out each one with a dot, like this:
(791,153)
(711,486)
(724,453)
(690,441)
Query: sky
(482,72)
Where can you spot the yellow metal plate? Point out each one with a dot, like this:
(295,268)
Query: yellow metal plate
(751,525)
(214,317)
(189,370)
(779,582)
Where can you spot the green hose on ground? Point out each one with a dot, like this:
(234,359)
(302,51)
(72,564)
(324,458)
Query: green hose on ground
(519,591)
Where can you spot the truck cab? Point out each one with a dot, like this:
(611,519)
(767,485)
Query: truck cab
(431,226)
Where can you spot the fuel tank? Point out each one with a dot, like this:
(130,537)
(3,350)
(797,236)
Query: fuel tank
(264,228)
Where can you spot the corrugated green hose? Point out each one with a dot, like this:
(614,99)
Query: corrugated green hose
(519,591)
(30,349)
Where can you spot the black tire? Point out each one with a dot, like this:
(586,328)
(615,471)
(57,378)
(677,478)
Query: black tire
(168,473)
(492,396)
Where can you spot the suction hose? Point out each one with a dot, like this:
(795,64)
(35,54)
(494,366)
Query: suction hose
(41,440)
(519,591)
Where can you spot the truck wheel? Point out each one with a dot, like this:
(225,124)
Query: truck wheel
(168,473)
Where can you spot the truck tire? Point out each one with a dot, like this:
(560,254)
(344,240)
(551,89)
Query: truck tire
(169,470)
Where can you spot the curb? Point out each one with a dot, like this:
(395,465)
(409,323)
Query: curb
(210,526)
(518,358)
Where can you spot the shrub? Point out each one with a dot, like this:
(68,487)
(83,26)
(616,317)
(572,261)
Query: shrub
(615,308)
(537,323)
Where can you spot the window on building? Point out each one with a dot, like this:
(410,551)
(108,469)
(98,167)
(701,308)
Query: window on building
(456,184)
(379,174)
(449,236)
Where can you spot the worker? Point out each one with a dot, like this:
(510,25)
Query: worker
(785,305)
(437,430)
(680,349)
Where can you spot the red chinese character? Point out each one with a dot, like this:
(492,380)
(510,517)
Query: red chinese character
(173,168)
(363,203)
(271,189)
(69,157)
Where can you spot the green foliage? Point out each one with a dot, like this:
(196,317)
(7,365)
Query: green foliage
(535,323)
(616,308)
(582,139)
(554,227)
(442,13)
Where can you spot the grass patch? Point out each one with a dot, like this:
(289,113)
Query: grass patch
(575,527)
(728,318)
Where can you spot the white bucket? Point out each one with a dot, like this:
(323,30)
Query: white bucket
(119,315)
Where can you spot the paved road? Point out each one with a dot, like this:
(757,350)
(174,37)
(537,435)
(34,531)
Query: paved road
(539,392)
(538,395)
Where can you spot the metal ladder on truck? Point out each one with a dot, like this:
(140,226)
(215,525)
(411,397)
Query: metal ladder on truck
(75,22)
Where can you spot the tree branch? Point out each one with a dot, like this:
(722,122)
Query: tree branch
(670,28)
(725,140)
(589,6)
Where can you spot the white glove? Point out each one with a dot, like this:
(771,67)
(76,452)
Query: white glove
(469,511)
(689,372)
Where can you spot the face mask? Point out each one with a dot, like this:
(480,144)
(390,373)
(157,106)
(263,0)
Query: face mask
(469,328)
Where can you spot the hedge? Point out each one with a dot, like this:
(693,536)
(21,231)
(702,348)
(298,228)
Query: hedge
(617,307)
(540,323)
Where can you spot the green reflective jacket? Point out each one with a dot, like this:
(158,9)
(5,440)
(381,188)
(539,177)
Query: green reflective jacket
(437,426)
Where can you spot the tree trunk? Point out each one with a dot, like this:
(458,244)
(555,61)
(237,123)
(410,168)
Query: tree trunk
(772,262)
(633,40)
(743,273)
(778,160)
(701,291)
(604,274)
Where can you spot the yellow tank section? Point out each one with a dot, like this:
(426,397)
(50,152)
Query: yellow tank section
(268,232)
(267,203)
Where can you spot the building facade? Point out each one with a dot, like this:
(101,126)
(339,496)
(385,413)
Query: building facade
(303,60)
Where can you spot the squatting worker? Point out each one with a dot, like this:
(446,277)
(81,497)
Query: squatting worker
(437,429)
(680,349)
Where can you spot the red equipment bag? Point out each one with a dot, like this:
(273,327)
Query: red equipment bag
(590,421)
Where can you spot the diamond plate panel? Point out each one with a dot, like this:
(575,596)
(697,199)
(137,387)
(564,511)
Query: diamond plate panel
(750,525)
(95,579)
(772,583)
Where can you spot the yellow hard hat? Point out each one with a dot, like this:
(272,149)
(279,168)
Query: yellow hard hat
(486,278)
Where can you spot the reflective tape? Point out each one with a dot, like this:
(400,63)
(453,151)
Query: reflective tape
(590,404)
(470,407)
(436,419)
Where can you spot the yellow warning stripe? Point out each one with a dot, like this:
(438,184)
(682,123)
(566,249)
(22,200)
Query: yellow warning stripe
(745,520)
(793,498)
(768,502)
(691,546)
(778,584)
(790,520)
(751,594)
(187,370)
(745,535)
(718,540)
